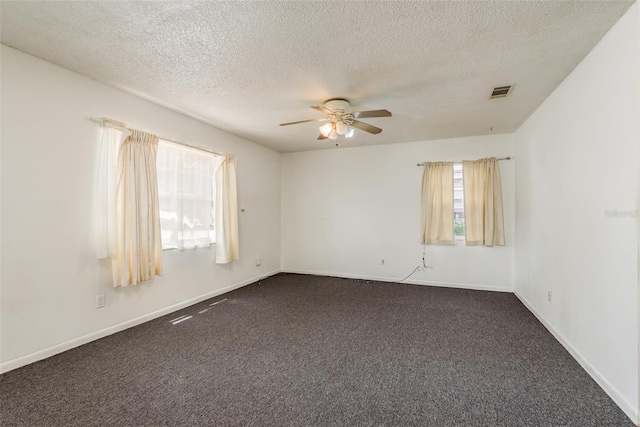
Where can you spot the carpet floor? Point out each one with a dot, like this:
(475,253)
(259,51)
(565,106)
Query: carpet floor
(295,350)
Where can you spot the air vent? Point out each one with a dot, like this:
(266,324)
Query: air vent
(500,92)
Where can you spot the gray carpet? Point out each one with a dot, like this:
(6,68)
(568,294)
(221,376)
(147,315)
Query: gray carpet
(297,350)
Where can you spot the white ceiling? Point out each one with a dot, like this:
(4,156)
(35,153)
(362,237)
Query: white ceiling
(245,67)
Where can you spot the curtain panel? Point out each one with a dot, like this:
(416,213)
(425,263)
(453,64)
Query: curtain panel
(484,223)
(138,247)
(186,188)
(437,204)
(226,217)
(106,184)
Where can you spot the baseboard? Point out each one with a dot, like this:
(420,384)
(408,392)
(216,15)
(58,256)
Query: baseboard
(471,286)
(626,407)
(76,342)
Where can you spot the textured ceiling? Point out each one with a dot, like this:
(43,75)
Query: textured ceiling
(245,67)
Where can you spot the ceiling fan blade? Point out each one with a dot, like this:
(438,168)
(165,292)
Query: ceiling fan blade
(321,137)
(304,121)
(371,113)
(322,109)
(365,127)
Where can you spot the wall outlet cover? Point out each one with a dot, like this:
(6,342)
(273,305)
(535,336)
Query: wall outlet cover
(100,301)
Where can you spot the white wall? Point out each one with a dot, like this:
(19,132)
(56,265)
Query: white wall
(344,210)
(576,158)
(50,276)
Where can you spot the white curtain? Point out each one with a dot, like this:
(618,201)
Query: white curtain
(110,141)
(483,217)
(138,251)
(186,189)
(437,204)
(226,218)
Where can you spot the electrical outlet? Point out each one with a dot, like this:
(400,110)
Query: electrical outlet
(100,301)
(382,263)
(549,296)
(258,261)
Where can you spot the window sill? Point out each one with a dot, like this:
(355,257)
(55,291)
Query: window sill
(187,250)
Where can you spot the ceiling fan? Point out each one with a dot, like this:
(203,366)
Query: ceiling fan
(341,121)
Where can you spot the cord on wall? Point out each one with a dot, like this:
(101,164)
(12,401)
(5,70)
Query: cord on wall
(424,249)
(424,265)
(411,274)
(420,267)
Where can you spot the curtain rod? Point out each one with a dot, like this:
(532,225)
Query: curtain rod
(503,158)
(104,121)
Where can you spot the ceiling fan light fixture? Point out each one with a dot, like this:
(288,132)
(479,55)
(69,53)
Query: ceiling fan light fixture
(342,128)
(340,121)
(326,129)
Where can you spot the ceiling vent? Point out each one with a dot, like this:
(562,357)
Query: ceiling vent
(500,91)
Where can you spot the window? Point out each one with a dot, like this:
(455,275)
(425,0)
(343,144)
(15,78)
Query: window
(458,201)
(186,191)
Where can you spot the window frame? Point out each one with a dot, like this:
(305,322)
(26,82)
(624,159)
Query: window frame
(458,170)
